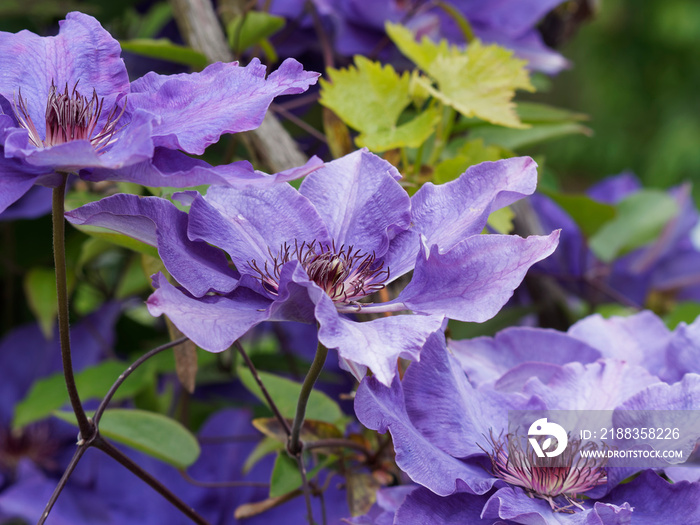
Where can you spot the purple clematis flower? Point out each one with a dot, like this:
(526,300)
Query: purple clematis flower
(317,254)
(450,435)
(33,458)
(665,269)
(358,25)
(648,499)
(66,105)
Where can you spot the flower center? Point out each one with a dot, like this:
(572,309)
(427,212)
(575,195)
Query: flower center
(345,274)
(33,442)
(70,116)
(564,477)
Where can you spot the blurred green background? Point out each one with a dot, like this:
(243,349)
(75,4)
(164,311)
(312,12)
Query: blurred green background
(636,72)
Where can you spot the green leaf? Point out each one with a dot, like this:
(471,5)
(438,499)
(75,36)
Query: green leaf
(285,394)
(49,394)
(286,476)
(245,31)
(411,134)
(40,289)
(154,434)
(471,153)
(477,81)
(535,112)
(588,214)
(164,49)
(685,312)
(640,219)
(537,133)
(371,98)
(263,448)
(501,220)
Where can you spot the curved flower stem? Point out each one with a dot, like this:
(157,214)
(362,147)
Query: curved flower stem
(59,255)
(62,483)
(135,469)
(294,447)
(270,402)
(120,380)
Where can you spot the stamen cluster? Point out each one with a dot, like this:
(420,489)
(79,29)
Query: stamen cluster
(33,442)
(345,274)
(70,116)
(565,476)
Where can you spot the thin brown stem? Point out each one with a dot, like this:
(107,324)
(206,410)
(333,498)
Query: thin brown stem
(62,482)
(120,380)
(156,485)
(270,402)
(59,251)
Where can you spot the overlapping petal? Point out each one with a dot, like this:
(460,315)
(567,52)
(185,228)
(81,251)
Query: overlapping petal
(448,213)
(195,109)
(158,223)
(473,280)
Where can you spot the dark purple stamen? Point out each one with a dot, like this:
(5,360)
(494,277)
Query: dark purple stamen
(33,442)
(70,116)
(345,274)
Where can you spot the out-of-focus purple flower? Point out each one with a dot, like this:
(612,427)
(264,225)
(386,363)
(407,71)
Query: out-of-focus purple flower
(33,457)
(669,266)
(451,435)
(315,254)
(358,25)
(66,105)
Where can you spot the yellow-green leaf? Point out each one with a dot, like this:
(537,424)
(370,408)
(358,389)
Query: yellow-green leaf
(370,98)
(477,81)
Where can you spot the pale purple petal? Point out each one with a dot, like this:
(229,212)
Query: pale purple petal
(596,386)
(447,410)
(174,169)
(473,280)
(640,339)
(448,213)
(683,353)
(486,359)
(380,408)
(423,507)
(212,322)
(360,201)
(196,109)
(657,407)
(254,224)
(376,344)
(83,51)
(157,222)
(512,503)
(15,180)
(35,203)
(656,501)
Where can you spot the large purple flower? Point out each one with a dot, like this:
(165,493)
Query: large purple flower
(318,254)
(66,105)
(452,436)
